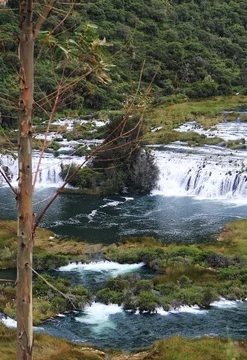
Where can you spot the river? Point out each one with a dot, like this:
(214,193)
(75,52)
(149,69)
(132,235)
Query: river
(199,190)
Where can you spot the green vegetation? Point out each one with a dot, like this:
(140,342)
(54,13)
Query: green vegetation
(178,348)
(50,252)
(119,164)
(190,50)
(47,348)
(207,113)
(183,274)
(48,299)
(135,175)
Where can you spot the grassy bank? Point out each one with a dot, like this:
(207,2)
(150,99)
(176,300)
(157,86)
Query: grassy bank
(172,114)
(207,112)
(50,251)
(182,275)
(175,348)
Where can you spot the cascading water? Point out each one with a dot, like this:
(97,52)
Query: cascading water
(208,172)
(226,130)
(49,172)
(8,167)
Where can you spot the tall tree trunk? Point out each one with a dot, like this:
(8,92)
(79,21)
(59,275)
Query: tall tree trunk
(25,211)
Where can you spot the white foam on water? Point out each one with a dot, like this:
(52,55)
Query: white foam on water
(98,123)
(233,130)
(162,312)
(112,203)
(92,215)
(182,309)
(220,174)
(195,309)
(225,304)
(49,137)
(10,323)
(99,312)
(49,169)
(69,123)
(189,309)
(207,172)
(98,316)
(111,267)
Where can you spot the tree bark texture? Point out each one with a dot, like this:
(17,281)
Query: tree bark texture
(25,192)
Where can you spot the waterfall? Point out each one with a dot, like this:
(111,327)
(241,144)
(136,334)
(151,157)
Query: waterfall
(207,172)
(211,172)
(8,166)
(49,172)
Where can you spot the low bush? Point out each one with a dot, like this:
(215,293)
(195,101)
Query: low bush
(45,261)
(218,260)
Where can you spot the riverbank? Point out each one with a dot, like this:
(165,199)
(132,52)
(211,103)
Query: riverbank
(207,112)
(175,348)
(161,120)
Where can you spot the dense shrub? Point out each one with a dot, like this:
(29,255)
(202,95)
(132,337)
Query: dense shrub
(218,260)
(120,164)
(196,48)
(147,301)
(49,261)
(108,296)
(143,173)
(73,297)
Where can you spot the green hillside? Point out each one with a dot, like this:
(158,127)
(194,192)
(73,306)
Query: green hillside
(190,49)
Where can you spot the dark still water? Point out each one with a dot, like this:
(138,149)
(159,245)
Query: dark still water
(108,219)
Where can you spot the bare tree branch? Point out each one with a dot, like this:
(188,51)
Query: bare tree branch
(68,297)
(8,227)
(8,182)
(46,134)
(43,16)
